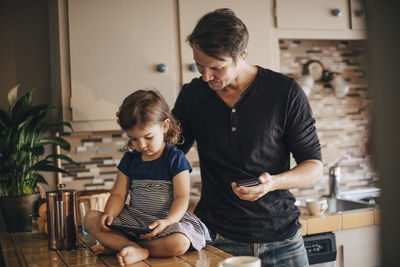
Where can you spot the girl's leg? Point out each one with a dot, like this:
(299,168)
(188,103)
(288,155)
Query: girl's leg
(167,246)
(113,239)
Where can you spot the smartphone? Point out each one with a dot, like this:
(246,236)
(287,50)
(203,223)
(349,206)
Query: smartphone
(249,182)
(136,229)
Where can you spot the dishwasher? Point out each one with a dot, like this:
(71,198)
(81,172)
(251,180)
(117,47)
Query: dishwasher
(321,249)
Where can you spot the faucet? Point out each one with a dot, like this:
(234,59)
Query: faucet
(335,178)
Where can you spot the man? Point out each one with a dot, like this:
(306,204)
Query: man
(246,120)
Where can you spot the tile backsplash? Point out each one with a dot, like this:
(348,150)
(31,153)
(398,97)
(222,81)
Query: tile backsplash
(98,155)
(342,124)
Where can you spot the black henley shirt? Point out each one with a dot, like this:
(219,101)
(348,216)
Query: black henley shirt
(271,119)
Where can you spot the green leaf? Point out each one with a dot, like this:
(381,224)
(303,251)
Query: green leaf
(32,117)
(16,160)
(51,168)
(5,121)
(57,141)
(63,157)
(22,157)
(28,190)
(64,123)
(42,162)
(38,178)
(37,151)
(22,106)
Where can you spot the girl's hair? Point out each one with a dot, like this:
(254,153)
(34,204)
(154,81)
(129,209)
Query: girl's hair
(147,106)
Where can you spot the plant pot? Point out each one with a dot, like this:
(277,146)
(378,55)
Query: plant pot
(17,212)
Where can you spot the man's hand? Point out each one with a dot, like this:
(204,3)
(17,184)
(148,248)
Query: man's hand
(252,193)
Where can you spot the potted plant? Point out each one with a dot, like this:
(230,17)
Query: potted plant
(23,136)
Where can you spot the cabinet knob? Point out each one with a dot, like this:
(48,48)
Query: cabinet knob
(337,12)
(162,67)
(360,13)
(193,67)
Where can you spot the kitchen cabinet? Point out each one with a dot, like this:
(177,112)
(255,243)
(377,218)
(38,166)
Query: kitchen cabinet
(357,15)
(105,50)
(116,48)
(312,14)
(358,247)
(320,19)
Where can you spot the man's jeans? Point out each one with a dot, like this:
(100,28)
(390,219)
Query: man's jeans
(289,252)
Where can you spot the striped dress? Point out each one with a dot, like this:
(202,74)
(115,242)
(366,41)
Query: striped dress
(151,196)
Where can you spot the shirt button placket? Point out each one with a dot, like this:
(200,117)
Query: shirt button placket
(233,119)
(234,127)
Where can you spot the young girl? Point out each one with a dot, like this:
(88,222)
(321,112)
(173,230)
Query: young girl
(156,174)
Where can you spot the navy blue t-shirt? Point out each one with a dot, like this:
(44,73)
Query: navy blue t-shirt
(171,162)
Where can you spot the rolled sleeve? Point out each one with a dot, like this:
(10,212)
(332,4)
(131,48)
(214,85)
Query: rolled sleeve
(301,133)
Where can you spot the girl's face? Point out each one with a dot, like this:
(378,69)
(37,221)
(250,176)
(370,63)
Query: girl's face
(148,139)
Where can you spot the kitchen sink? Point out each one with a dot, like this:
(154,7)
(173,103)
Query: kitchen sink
(339,205)
(369,195)
(375,200)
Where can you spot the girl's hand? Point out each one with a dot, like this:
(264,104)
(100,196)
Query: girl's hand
(252,193)
(158,227)
(105,220)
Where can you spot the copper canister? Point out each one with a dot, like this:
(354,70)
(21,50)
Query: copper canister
(61,219)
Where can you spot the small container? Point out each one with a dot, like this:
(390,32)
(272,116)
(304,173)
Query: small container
(83,213)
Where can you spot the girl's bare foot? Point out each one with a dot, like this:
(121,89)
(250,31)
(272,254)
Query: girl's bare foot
(103,250)
(132,254)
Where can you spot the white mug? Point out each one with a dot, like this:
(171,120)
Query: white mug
(240,261)
(317,206)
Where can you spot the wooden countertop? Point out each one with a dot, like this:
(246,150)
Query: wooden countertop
(27,249)
(329,222)
(336,222)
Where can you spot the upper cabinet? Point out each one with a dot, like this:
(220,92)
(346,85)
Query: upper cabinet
(312,14)
(357,15)
(326,19)
(116,48)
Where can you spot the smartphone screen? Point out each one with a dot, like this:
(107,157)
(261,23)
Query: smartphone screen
(248,182)
(136,229)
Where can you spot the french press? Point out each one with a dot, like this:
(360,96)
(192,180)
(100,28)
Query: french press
(61,218)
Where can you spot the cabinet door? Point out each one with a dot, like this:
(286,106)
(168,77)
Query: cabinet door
(358,13)
(115,47)
(364,254)
(312,14)
(257,16)
(358,247)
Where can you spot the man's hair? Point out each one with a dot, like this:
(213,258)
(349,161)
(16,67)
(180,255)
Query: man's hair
(220,33)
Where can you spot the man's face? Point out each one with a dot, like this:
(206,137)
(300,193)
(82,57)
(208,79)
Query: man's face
(217,73)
